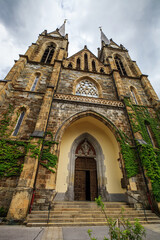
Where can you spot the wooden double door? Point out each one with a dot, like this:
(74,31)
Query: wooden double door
(85,184)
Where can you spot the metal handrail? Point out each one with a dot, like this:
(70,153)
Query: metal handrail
(49,207)
(140,203)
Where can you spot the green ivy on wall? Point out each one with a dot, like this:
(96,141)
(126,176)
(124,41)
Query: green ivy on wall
(129,155)
(48,159)
(5,121)
(150,156)
(149,161)
(11,157)
(12,152)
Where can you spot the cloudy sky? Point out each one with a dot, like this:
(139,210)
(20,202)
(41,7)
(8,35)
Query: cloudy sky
(135,24)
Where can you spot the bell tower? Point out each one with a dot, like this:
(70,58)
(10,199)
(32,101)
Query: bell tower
(126,73)
(36,75)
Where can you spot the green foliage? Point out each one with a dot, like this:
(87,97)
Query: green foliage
(5,121)
(11,157)
(129,156)
(48,159)
(3,212)
(120,228)
(138,116)
(34,150)
(12,152)
(99,202)
(150,156)
(150,163)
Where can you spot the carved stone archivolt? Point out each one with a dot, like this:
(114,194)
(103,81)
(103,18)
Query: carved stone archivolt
(88,99)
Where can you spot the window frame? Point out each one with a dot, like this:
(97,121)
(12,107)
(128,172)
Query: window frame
(19,123)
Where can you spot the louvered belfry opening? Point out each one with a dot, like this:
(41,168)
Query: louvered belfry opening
(48,54)
(120,66)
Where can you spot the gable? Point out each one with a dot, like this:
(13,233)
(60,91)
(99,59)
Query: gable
(113,45)
(54,34)
(94,64)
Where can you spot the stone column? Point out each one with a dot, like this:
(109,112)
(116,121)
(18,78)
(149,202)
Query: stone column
(22,196)
(149,89)
(15,71)
(137,68)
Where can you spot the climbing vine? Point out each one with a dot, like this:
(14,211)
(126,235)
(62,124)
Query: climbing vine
(11,157)
(149,161)
(48,159)
(12,152)
(149,155)
(129,155)
(5,121)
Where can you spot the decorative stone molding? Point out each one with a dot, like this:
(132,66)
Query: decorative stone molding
(89,100)
(69,195)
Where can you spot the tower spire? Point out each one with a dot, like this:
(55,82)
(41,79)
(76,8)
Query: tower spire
(103,37)
(62,28)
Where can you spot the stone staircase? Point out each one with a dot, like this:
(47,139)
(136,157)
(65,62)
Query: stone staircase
(86,214)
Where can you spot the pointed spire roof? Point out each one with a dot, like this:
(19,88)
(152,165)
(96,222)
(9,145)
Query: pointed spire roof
(62,28)
(103,37)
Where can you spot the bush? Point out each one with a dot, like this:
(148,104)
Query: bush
(120,228)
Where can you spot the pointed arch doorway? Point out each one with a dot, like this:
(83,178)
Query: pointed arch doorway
(85,180)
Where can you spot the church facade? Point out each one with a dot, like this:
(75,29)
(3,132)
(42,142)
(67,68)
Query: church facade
(73,128)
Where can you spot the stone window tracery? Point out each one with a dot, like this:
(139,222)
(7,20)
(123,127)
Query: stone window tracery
(48,54)
(120,66)
(86,88)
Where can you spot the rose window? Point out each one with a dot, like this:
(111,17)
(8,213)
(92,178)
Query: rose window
(86,88)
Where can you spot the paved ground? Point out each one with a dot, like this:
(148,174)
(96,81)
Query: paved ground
(65,233)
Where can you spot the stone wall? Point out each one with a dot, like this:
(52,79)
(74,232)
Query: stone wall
(136,83)
(32,102)
(63,110)
(7,187)
(67,78)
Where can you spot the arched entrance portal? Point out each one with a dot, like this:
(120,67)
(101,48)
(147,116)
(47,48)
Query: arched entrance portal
(85,180)
(106,156)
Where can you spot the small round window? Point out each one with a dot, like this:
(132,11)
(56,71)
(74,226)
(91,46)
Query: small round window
(86,88)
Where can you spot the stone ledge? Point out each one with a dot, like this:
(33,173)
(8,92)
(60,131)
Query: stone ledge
(77,98)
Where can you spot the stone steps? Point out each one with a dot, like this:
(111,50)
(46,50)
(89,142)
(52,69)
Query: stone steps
(86,214)
(100,219)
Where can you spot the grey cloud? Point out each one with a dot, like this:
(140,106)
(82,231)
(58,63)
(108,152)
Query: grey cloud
(135,24)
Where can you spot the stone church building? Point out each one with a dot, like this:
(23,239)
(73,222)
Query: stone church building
(73,128)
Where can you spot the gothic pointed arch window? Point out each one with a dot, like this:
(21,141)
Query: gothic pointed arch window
(87,88)
(120,66)
(93,66)
(85,62)
(70,65)
(150,133)
(48,54)
(133,94)
(78,63)
(37,76)
(19,122)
